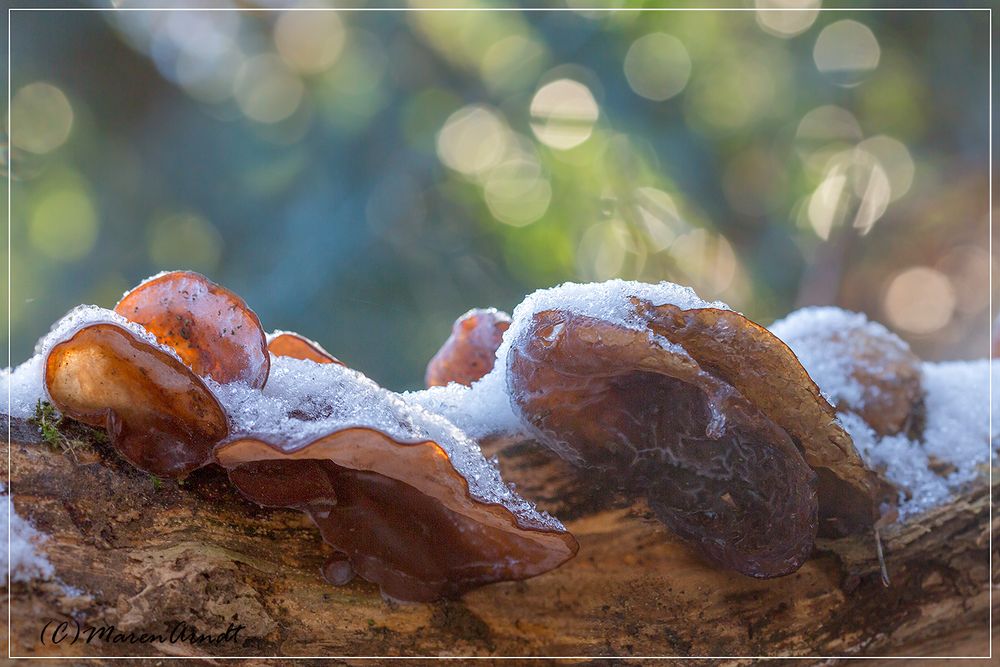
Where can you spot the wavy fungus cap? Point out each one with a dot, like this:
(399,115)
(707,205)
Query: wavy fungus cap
(704,411)
(212,329)
(470,350)
(713,468)
(761,367)
(296,346)
(107,372)
(402,493)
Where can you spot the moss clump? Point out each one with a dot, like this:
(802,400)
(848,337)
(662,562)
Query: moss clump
(62,433)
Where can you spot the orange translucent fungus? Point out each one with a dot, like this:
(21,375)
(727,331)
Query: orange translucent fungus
(469,352)
(212,329)
(291,344)
(713,466)
(158,414)
(398,512)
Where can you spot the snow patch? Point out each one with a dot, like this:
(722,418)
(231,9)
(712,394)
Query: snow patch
(25,386)
(826,340)
(482,410)
(26,563)
(957,438)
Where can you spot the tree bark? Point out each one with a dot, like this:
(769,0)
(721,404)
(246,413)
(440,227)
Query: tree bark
(143,555)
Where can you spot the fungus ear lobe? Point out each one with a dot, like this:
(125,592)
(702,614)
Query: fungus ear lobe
(398,512)
(291,344)
(470,351)
(159,415)
(212,329)
(646,415)
(765,371)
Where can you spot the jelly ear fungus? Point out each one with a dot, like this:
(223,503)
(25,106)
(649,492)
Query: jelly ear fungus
(469,352)
(701,411)
(399,512)
(211,328)
(765,371)
(645,414)
(291,344)
(403,496)
(159,415)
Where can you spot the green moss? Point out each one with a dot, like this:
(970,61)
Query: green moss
(47,420)
(62,433)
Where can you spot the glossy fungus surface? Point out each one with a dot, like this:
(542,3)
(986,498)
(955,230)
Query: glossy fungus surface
(212,329)
(469,352)
(406,497)
(766,372)
(641,410)
(159,415)
(291,344)
(399,512)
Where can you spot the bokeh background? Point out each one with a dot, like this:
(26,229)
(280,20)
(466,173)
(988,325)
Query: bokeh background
(364,178)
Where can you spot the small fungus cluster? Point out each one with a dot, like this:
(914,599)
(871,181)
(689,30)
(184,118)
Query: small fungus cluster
(716,422)
(707,415)
(173,374)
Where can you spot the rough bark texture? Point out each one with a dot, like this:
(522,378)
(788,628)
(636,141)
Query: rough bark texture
(143,554)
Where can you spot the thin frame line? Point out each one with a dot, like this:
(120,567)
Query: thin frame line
(10,422)
(578,10)
(989,575)
(10,193)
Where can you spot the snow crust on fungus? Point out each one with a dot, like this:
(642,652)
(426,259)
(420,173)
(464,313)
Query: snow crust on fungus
(26,381)
(26,563)
(807,332)
(485,408)
(609,301)
(304,401)
(957,440)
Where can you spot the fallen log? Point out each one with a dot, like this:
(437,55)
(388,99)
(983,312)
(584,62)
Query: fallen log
(145,555)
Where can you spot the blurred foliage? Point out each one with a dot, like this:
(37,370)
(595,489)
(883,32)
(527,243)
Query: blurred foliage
(364,178)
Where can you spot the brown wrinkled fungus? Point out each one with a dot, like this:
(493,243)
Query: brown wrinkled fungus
(764,370)
(713,466)
(212,329)
(469,352)
(159,415)
(400,513)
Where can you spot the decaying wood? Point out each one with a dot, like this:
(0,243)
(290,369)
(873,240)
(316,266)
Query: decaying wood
(141,555)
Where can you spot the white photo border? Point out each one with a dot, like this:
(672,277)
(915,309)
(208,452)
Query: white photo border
(10,193)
